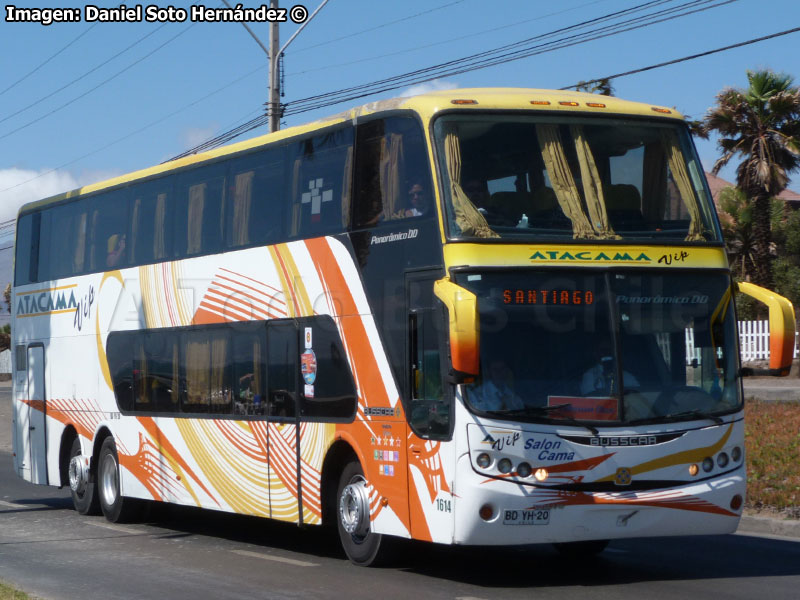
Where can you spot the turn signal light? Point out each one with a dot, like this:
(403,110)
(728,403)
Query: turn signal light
(595,105)
(541,474)
(693,470)
(569,103)
(486,512)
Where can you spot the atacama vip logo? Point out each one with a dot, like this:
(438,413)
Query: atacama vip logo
(46,302)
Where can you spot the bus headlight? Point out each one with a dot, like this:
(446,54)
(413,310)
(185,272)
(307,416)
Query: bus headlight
(722,460)
(736,454)
(708,464)
(504,466)
(483,460)
(524,469)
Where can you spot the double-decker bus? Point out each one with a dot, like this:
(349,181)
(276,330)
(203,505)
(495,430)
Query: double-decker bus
(479,316)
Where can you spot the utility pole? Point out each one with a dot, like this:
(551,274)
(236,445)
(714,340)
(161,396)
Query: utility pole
(274,104)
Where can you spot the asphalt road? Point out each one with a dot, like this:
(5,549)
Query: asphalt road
(50,551)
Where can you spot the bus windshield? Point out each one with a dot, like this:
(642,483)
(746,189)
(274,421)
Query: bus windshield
(604,346)
(519,176)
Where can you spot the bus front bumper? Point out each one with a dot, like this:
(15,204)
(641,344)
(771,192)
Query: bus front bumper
(496,512)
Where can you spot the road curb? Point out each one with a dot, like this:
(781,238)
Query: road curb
(770,525)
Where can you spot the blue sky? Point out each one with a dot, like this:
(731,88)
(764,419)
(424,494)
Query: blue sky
(186,82)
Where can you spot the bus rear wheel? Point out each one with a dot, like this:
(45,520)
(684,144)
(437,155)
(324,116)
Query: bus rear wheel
(114,505)
(361,545)
(82,483)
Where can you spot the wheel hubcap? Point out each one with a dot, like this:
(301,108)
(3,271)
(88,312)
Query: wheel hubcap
(78,474)
(354,508)
(108,480)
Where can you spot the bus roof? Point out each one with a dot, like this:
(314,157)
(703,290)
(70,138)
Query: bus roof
(427,105)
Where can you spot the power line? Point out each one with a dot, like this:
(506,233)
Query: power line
(99,85)
(419,75)
(80,77)
(376,27)
(489,58)
(24,77)
(447,41)
(687,58)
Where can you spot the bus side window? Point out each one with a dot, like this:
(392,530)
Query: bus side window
(27,249)
(255,199)
(108,221)
(283,372)
(151,222)
(391,158)
(64,252)
(156,378)
(430,408)
(205,357)
(320,171)
(199,209)
(249,376)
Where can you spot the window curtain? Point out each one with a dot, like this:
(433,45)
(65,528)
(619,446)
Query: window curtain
(347,186)
(555,161)
(654,182)
(194,231)
(468,219)
(79,256)
(142,380)
(592,186)
(296,196)
(219,353)
(198,359)
(137,210)
(392,164)
(159,227)
(242,200)
(680,175)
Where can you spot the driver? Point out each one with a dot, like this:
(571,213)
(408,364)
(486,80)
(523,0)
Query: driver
(600,378)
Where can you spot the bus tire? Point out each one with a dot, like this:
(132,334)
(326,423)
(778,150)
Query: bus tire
(361,545)
(114,505)
(581,549)
(82,483)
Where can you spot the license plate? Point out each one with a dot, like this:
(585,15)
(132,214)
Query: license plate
(526,517)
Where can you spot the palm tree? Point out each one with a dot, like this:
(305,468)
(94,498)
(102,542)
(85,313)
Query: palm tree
(761,125)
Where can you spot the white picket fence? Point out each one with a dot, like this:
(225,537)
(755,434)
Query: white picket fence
(753,342)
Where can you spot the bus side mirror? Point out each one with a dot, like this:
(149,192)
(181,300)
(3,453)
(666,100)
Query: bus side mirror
(781,327)
(462,309)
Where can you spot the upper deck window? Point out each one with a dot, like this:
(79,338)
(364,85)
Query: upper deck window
(524,177)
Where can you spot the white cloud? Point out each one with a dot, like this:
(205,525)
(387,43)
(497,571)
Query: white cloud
(18,186)
(429,86)
(194,136)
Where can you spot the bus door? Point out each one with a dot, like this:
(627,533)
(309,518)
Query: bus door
(36,433)
(430,412)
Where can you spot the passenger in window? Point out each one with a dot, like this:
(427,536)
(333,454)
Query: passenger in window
(478,193)
(601,378)
(495,390)
(418,202)
(116,250)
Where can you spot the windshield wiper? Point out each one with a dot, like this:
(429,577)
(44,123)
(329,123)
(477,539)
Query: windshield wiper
(542,411)
(695,413)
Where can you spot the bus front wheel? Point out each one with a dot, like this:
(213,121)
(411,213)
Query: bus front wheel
(361,545)
(114,505)
(82,484)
